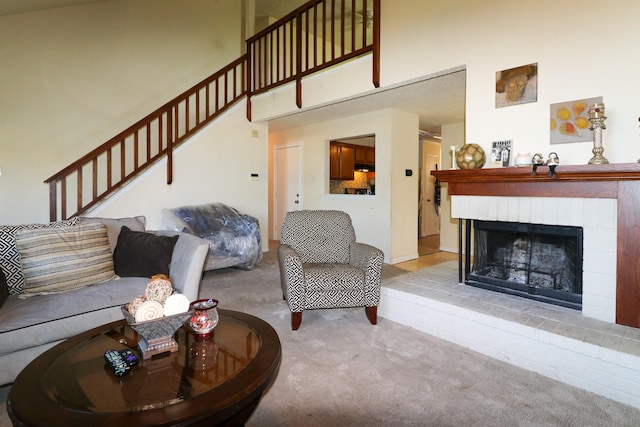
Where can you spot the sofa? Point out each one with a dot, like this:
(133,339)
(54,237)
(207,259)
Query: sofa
(39,315)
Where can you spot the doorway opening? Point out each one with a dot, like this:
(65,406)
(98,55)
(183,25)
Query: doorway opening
(287,184)
(429,198)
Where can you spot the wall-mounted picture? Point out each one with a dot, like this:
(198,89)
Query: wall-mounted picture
(517,85)
(569,121)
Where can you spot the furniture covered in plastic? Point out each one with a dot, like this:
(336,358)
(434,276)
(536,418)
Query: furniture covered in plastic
(234,238)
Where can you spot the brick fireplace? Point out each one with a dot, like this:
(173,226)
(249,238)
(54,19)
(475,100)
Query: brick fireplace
(582,348)
(603,199)
(535,261)
(597,217)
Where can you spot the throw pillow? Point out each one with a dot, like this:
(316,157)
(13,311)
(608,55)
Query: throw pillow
(9,256)
(4,289)
(141,254)
(59,260)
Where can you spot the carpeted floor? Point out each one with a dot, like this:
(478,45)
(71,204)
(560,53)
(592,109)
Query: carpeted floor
(338,370)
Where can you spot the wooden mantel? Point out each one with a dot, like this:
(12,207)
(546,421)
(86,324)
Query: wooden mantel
(614,181)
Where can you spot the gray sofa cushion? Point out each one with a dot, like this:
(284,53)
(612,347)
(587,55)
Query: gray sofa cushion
(42,319)
(137,223)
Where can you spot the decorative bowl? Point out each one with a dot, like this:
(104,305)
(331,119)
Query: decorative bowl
(157,334)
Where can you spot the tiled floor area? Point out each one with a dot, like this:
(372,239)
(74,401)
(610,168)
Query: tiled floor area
(429,255)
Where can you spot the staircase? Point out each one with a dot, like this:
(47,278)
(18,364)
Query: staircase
(317,35)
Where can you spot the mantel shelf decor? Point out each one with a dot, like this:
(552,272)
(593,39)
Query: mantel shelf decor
(596,120)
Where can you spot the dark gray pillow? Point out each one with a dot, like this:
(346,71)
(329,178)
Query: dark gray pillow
(142,254)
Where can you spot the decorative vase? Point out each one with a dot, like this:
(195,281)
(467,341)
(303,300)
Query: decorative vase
(204,317)
(523,159)
(470,156)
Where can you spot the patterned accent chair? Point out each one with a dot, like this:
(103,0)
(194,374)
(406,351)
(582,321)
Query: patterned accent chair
(322,265)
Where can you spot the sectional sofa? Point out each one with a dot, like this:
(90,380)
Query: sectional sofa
(38,313)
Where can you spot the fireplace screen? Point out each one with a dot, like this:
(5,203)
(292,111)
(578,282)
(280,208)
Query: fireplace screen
(541,262)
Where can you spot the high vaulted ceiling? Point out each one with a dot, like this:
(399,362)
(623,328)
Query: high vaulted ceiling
(9,7)
(274,8)
(438,100)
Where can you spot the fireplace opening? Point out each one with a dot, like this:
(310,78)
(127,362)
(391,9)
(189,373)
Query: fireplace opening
(541,262)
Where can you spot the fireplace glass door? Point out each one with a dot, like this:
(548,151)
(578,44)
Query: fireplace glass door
(535,261)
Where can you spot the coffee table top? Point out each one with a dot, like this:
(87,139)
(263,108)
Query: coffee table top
(210,379)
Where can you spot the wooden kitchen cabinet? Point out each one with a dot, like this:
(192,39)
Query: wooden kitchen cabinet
(341,161)
(365,155)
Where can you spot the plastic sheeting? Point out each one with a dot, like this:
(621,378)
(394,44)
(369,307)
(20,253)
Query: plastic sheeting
(234,238)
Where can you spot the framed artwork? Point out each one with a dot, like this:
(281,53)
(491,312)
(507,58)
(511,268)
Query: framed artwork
(569,121)
(501,153)
(517,85)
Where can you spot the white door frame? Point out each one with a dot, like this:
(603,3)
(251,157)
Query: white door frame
(428,217)
(277,221)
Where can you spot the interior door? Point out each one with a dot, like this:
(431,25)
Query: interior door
(286,185)
(429,218)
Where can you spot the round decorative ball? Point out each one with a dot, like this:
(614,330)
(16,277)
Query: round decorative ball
(158,289)
(470,156)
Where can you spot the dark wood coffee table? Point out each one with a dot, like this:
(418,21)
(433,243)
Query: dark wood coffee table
(218,381)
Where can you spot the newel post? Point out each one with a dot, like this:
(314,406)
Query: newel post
(170,145)
(248,74)
(53,202)
(376,43)
(299,59)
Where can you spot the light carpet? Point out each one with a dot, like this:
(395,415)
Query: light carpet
(339,370)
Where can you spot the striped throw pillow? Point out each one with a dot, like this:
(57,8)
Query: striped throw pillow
(59,260)
(9,256)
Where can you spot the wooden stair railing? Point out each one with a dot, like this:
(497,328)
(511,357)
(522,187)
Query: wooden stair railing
(317,35)
(121,158)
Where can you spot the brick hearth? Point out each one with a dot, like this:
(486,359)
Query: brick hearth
(596,349)
(557,342)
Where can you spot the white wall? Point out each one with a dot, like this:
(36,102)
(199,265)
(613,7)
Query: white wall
(345,81)
(405,158)
(73,77)
(375,220)
(583,49)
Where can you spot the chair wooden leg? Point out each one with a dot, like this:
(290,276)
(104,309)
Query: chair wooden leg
(296,320)
(372,314)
